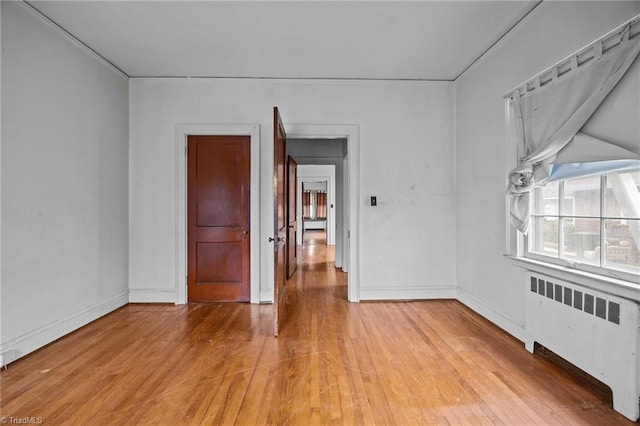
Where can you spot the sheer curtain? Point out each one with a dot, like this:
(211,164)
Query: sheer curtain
(548,117)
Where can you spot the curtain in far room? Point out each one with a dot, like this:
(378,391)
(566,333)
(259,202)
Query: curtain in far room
(322,205)
(306,204)
(555,116)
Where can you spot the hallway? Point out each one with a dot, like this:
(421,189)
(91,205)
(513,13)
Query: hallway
(316,272)
(421,362)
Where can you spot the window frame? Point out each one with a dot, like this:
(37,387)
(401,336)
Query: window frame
(525,251)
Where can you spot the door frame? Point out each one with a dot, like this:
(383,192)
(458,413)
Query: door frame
(182,131)
(352,133)
(292,162)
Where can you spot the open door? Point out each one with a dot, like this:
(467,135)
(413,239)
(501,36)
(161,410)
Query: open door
(292,219)
(280,221)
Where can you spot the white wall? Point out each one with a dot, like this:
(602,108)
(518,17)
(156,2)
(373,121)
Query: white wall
(407,243)
(487,282)
(64,184)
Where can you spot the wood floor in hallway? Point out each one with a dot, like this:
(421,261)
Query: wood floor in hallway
(409,363)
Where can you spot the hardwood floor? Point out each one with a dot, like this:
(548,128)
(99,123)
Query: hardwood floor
(423,362)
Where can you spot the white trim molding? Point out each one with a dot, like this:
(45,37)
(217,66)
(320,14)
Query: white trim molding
(266,295)
(182,131)
(41,336)
(152,295)
(408,293)
(501,319)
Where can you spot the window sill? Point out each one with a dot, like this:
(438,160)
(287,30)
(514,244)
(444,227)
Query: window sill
(617,287)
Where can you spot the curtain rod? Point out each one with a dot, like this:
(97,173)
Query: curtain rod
(595,49)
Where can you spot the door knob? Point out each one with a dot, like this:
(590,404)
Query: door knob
(271,239)
(245,232)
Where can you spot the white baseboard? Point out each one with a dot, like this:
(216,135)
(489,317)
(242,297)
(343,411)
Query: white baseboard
(29,342)
(266,296)
(501,319)
(408,293)
(156,295)
(41,336)
(152,295)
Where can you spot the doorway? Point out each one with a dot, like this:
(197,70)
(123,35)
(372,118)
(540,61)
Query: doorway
(318,214)
(318,210)
(322,191)
(182,134)
(348,238)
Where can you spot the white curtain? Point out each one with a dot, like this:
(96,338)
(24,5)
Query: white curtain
(547,120)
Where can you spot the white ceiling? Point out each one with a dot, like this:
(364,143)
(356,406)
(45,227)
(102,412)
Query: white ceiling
(430,40)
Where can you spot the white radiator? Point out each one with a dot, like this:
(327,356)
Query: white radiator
(597,332)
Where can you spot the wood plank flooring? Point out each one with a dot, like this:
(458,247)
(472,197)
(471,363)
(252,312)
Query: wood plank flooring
(422,362)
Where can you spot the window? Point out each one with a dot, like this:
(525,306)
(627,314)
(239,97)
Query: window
(590,222)
(573,196)
(580,111)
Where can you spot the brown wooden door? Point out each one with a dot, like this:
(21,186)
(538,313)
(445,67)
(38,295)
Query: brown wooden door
(280,220)
(218,173)
(292,220)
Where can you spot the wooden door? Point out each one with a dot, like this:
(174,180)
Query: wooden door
(292,220)
(218,177)
(280,221)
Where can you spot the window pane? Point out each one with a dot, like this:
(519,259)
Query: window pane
(544,236)
(622,198)
(581,197)
(622,245)
(545,199)
(581,240)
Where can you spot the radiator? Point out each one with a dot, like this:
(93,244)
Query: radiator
(597,332)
